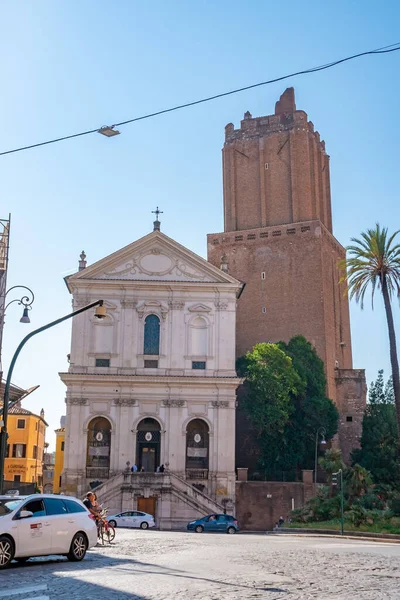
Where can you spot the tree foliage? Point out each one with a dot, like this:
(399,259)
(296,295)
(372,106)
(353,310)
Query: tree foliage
(373,261)
(379,439)
(286,403)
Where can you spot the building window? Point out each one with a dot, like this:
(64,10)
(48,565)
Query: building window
(35,452)
(62,446)
(19,451)
(349,419)
(17,478)
(151,364)
(59,482)
(102,362)
(199,364)
(8,451)
(152,335)
(21,424)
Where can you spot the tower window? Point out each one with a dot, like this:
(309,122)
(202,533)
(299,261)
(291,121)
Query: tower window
(264,309)
(263,275)
(266,166)
(349,419)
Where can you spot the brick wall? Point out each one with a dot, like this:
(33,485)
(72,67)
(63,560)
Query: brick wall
(259,504)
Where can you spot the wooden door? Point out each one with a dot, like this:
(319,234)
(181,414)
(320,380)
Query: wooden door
(147,505)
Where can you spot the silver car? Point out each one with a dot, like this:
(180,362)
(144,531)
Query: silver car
(132,518)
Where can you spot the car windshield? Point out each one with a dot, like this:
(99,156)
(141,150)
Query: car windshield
(7,506)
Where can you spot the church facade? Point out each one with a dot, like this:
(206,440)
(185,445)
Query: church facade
(154,383)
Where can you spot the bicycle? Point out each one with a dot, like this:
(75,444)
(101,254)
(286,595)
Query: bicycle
(105,531)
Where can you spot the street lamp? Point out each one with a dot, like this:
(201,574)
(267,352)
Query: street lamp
(100,313)
(321,431)
(25,301)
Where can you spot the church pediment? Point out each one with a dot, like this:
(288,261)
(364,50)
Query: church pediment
(153,258)
(199,308)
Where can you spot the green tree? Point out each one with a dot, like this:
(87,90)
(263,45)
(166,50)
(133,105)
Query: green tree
(271,382)
(374,261)
(312,409)
(358,480)
(331,462)
(379,439)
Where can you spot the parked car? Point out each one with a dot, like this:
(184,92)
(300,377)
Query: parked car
(214,522)
(44,524)
(132,518)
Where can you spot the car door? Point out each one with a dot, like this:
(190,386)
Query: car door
(125,519)
(211,523)
(221,523)
(34,533)
(61,524)
(137,518)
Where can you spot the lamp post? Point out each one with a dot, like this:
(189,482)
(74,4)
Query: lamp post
(100,314)
(334,482)
(25,301)
(321,431)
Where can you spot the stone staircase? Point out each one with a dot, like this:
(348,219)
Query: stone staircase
(177,500)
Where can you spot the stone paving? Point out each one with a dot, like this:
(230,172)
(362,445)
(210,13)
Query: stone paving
(153,565)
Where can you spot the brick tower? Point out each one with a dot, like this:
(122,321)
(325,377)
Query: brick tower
(278,239)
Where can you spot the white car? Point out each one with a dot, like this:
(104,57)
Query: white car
(44,524)
(132,518)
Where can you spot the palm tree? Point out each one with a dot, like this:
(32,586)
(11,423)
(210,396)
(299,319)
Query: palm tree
(375,260)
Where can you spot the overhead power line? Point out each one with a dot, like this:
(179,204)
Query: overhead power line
(383,50)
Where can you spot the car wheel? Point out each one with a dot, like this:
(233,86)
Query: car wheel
(6,551)
(112,523)
(231,530)
(78,547)
(144,525)
(199,529)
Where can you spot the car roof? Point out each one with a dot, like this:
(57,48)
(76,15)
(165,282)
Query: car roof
(37,496)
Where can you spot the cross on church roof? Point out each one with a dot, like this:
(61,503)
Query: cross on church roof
(157,222)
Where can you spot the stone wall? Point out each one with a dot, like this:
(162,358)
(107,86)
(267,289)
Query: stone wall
(259,504)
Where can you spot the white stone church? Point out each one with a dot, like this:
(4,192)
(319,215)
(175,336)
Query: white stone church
(153,383)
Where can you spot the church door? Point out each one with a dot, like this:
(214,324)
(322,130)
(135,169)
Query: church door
(148,445)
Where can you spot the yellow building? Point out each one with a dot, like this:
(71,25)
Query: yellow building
(59,462)
(25,446)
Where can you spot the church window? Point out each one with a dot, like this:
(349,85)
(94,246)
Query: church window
(199,364)
(152,335)
(98,448)
(102,362)
(151,364)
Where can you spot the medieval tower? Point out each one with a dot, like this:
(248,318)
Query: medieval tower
(278,239)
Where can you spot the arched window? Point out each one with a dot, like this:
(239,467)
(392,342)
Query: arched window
(152,335)
(98,448)
(148,445)
(197,449)
(198,329)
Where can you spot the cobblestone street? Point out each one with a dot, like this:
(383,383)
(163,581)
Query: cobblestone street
(153,565)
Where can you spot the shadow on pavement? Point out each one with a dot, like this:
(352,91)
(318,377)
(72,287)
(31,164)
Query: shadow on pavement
(59,568)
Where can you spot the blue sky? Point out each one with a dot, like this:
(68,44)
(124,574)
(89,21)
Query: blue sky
(77,65)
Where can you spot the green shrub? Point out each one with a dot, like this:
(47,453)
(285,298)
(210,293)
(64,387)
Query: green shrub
(394,505)
(371,501)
